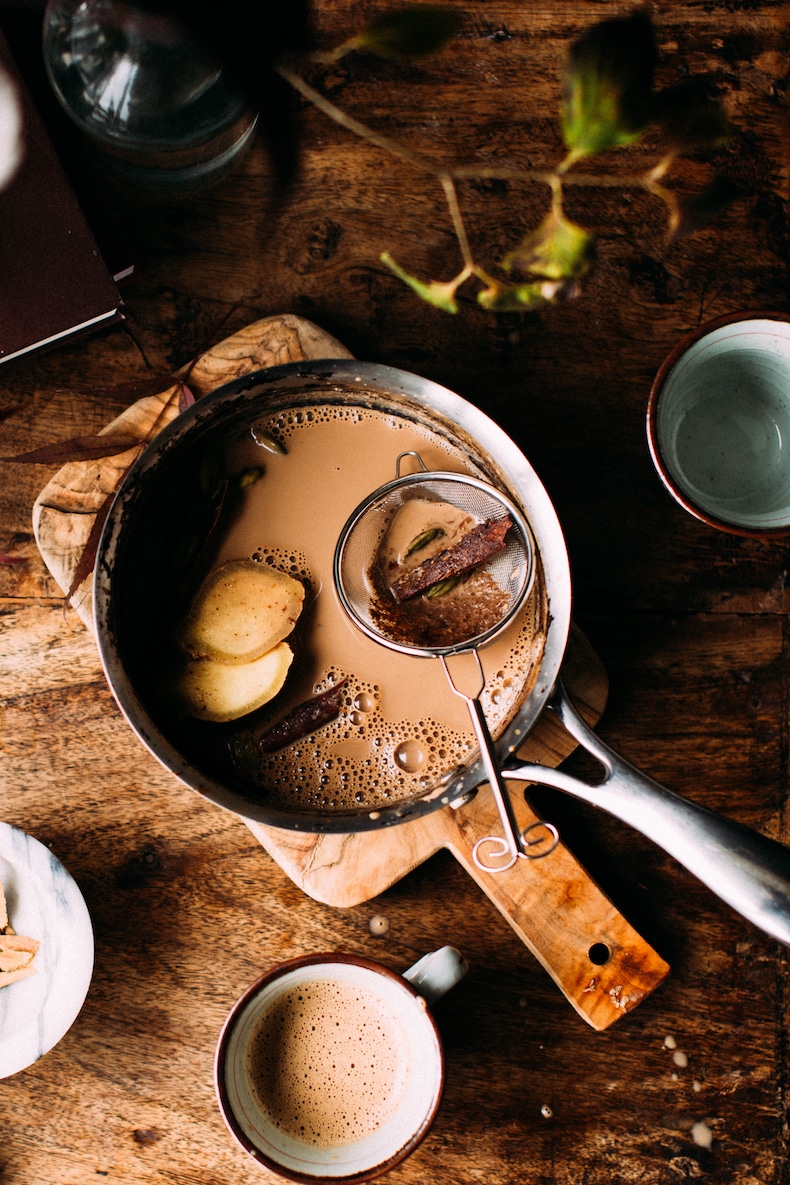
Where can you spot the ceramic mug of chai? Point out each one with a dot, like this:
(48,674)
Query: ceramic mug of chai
(718,423)
(330,1067)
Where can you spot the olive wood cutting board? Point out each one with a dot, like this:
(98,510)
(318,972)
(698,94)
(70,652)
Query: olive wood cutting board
(595,957)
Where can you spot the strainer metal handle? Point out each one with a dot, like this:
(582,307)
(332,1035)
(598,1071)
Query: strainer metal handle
(514,566)
(512,845)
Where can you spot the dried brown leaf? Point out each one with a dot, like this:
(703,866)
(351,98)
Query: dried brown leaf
(185,397)
(77,448)
(131,390)
(163,417)
(87,560)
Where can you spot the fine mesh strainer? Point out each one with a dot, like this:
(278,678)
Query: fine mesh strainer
(508,577)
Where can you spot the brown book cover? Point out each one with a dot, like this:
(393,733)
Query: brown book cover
(54,283)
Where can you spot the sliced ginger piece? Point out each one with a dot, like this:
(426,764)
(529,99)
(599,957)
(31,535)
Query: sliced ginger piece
(221,691)
(7,977)
(16,952)
(241,611)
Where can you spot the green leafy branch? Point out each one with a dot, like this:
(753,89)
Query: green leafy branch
(608,102)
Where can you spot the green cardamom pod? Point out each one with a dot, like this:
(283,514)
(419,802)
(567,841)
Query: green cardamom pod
(266,441)
(248,477)
(441,587)
(422,541)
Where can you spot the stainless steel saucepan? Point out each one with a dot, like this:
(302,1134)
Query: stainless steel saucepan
(162,508)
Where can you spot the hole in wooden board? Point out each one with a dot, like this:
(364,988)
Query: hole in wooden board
(599,953)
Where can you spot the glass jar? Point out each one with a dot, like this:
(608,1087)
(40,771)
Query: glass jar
(145,91)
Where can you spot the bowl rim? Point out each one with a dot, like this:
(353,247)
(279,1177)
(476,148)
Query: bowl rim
(674,488)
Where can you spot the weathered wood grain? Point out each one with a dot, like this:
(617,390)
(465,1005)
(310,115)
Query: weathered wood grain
(690,626)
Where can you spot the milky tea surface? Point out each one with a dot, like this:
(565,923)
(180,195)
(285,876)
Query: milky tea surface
(324,1063)
(401,728)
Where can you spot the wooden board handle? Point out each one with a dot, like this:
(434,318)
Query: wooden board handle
(596,958)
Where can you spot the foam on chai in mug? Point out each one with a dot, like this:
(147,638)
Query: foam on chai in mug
(719,423)
(326,1062)
(330,1067)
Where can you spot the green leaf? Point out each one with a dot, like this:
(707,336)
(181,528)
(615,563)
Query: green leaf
(690,214)
(558,249)
(512,298)
(690,119)
(411,32)
(435,292)
(608,84)
(522,298)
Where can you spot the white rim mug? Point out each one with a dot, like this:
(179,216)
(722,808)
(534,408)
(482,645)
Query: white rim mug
(417,1085)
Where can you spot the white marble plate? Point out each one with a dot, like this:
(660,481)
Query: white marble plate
(44,903)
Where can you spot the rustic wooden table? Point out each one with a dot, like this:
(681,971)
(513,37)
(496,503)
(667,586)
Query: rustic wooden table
(690,625)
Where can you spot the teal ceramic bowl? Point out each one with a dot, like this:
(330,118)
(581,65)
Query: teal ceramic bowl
(718,423)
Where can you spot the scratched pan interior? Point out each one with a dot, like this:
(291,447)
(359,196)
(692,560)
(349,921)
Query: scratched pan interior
(138,598)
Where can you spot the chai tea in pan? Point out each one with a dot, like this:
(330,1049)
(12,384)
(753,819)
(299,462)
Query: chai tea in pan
(395,730)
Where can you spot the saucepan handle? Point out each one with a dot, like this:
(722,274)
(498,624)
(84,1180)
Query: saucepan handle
(747,870)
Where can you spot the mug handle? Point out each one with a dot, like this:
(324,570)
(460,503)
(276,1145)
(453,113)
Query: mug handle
(434,974)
